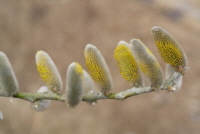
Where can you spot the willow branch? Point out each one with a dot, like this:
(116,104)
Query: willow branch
(32,97)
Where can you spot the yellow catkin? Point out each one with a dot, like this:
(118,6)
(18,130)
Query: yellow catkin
(74,87)
(48,71)
(169,48)
(8,81)
(147,63)
(98,68)
(127,64)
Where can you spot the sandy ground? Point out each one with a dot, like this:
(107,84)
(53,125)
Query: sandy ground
(62,28)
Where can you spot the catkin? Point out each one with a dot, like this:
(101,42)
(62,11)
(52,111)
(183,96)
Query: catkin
(177,82)
(41,105)
(8,81)
(98,68)
(169,48)
(88,84)
(1,116)
(128,65)
(74,85)
(147,63)
(48,71)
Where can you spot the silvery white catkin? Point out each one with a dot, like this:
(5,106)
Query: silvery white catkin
(74,85)
(41,105)
(1,116)
(8,81)
(88,84)
(177,83)
(48,71)
(147,63)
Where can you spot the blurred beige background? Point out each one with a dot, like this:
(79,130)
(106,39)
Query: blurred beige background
(62,28)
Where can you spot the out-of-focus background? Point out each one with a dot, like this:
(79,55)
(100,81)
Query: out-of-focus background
(62,28)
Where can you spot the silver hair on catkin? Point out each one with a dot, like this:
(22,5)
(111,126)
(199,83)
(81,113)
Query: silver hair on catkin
(8,81)
(147,63)
(41,105)
(88,84)
(1,116)
(74,85)
(177,83)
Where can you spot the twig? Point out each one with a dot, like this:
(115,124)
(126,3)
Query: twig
(32,97)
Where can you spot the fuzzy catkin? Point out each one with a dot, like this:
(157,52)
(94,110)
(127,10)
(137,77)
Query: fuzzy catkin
(169,49)
(8,81)
(41,105)
(147,63)
(48,71)
(177,83)
(1,116)
(98,68)
(127,64)
(88,84)
(74,85)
